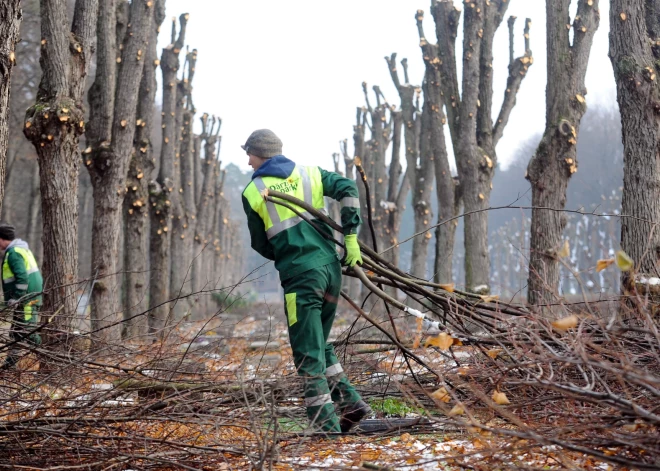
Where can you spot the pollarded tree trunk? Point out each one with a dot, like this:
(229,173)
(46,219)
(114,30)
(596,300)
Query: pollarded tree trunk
(161,190)
(108,160)
(136,208)
(10,22)
(359,154)
(421,198)
(374,165)
(220,234)
(474,137)
(184,216)
(634,51)
(54,125)
(555,160)
(198,166)
(406,117)
(204,212)
(445,183)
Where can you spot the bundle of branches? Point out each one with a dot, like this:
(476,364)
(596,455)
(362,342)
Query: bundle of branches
(586,381)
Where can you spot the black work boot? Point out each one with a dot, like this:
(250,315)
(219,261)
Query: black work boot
(353,414)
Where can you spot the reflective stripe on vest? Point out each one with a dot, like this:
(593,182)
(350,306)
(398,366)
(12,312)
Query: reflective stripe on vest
(30,266)
(310,194)
(350,202)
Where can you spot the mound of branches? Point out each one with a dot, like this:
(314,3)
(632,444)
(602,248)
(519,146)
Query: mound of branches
(583,379)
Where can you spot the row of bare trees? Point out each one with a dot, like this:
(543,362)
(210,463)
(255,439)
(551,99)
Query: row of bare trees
(160,222)
(465,104)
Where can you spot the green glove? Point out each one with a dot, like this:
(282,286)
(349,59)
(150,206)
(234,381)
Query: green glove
(353,254)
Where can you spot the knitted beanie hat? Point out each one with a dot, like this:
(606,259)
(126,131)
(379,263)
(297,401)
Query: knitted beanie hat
(7,232)
(263,143)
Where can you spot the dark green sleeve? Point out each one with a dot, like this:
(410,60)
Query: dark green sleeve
(17,265)
(258,239)
(345,191)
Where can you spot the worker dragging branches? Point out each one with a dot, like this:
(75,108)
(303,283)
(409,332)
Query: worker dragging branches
(309,268)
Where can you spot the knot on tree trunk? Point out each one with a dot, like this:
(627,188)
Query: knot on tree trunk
(100,158)
(566,128)
(45,122)
(99,287)
(159,198)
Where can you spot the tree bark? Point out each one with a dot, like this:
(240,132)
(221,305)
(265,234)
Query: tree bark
(204,212)
(184,216)
(375,168)
(10,22)
(555,160)
(398,192)
(54,125)
(136,212)
(473,135)
(161,190)
(446,187)
(634,51)
(108,156)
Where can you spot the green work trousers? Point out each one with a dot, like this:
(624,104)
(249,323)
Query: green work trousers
(310,301)
(25,320)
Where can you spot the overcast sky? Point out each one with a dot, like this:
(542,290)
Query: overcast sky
(297,66)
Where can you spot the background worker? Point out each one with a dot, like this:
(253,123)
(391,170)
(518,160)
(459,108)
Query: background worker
(309,268)
(22,285)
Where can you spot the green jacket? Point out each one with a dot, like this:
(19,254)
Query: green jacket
(20,274)
(278,234)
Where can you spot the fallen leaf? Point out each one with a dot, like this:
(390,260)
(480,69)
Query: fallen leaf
(443,341)
(441,395)
(623,261)
(458,409)
(603,264)
(449,288)
(418,333)
(489,298)
(494,352)
(565,323)
(500,398)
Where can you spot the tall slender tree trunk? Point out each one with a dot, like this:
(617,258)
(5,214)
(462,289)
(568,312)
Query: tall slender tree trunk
(162,189)
(555,160)
(205,212)
(635,52)
(110,153)
(136,208)
(54,125)
(10,22)
(474,137)
(445,183)
(184,216)
(406,118)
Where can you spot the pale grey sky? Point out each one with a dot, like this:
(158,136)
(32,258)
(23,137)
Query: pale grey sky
(297,66)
